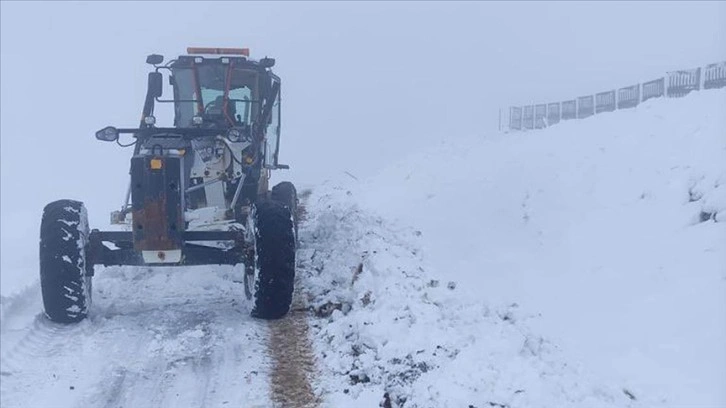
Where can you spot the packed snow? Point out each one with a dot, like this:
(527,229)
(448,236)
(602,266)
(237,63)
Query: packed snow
(155,337)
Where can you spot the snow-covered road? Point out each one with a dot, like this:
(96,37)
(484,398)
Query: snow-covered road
(162,338)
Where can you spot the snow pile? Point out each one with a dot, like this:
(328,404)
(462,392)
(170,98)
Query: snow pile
(388,332)
(613,229)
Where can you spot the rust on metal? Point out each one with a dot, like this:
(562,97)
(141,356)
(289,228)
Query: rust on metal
(151,225)
(156,204)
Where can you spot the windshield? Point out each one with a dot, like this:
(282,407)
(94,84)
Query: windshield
(240,107)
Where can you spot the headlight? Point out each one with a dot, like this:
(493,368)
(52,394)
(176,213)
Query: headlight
(149,120)
(197,120)
(234,135)
(107,134)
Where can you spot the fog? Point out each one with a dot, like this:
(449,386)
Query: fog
(362,83)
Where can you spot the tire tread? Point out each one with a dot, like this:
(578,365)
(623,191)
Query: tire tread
(275,260)
(64,284)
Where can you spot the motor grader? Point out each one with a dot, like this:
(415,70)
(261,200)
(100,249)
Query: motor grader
(198,192)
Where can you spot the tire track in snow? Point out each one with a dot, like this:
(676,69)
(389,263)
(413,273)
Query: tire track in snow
(26,332)
(38,340)
(11,307)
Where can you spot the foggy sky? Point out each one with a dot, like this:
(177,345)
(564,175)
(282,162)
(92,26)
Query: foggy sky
(362,83)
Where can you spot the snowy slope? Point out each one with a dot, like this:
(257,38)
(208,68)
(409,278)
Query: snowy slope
(612,230)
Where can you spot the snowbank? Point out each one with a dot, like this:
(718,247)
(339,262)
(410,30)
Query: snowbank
(389,332)
(612,229)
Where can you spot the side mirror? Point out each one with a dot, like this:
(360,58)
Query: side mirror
(154,59)
(155,84)
(267,62)
(107,134)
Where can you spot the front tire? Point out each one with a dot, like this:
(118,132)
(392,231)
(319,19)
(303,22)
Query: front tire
(64,281)
(275,245)
(286,194)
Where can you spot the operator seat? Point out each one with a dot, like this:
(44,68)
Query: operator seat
(216,108)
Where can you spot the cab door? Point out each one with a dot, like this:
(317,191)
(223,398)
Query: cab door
(272,139)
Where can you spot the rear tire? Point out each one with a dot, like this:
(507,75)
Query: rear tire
(275,242)
(64,281)
(286,194)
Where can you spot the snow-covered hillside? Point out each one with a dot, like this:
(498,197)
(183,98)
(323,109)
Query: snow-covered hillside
(609,232)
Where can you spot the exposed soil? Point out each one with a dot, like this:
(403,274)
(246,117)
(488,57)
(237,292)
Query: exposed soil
(291,350)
